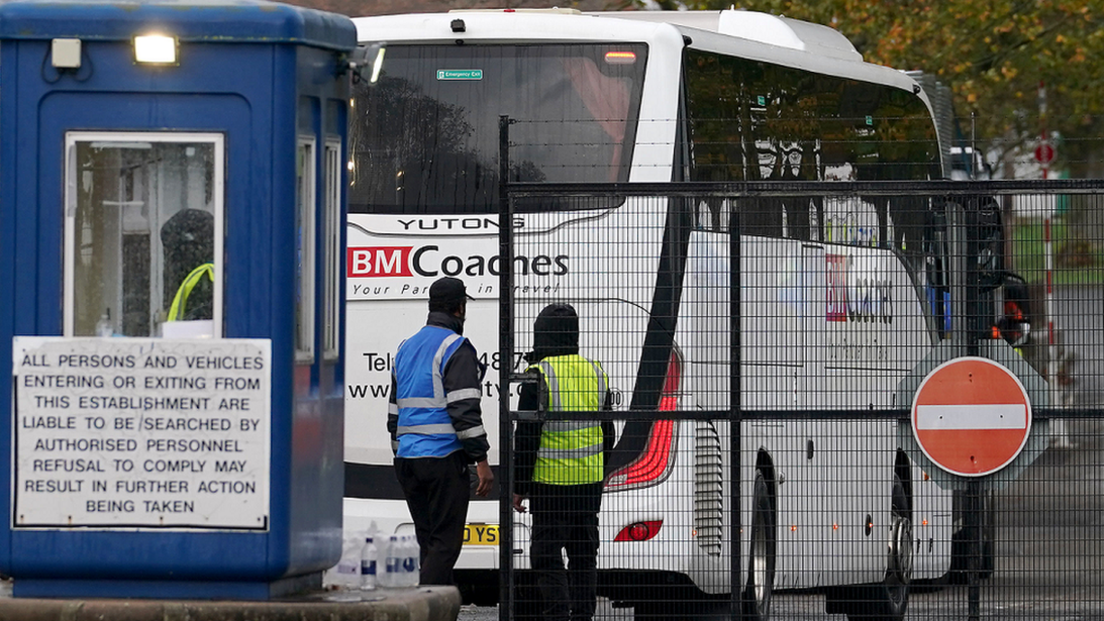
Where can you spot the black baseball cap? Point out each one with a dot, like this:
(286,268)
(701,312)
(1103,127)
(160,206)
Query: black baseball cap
(448,289)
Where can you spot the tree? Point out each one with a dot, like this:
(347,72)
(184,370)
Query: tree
(993,54)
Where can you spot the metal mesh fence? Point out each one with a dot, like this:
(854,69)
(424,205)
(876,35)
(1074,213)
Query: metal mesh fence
(746,359)
(759,334)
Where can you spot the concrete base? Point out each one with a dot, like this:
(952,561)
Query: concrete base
(415,604)
(162,589)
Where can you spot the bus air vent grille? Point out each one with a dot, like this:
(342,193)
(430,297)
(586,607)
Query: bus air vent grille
(708,493)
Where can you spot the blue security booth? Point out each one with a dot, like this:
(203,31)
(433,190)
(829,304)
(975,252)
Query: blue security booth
(172,190)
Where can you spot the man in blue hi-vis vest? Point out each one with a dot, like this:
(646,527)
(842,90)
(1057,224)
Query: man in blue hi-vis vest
(560,465)
(436,428)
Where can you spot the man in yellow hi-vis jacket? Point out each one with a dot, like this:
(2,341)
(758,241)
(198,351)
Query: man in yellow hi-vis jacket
(188,240)
(560,465)
(178,309)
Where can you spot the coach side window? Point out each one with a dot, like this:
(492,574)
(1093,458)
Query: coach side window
(753,121)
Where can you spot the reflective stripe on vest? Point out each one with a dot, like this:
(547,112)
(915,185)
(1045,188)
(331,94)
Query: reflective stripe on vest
(570,450)
(425,427)
(180,300)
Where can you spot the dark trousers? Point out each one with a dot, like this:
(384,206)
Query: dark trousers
(565,517)
(436,490)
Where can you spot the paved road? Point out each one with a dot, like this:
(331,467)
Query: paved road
(1000,602)
(1079,317)
(1050,522)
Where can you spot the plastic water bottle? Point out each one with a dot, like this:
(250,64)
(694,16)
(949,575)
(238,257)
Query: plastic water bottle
(368,556)
(410,562)
(382,577)
(104,326)
(392,563)
(401,576)
(416,560)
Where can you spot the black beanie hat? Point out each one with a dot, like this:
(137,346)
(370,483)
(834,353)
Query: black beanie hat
(555,332)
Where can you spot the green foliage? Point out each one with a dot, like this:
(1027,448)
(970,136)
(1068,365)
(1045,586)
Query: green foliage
(993,53)
(1076,261)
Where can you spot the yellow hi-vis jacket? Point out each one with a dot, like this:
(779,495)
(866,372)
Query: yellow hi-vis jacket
(570,450)
(180,300)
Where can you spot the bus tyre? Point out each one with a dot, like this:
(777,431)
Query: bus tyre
(762,550)
(887,600)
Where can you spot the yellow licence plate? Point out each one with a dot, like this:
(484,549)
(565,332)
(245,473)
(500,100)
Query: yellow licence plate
(481,535)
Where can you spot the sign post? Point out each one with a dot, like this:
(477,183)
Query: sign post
(971,417)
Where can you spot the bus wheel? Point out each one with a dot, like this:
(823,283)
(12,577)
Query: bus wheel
(887,600)
(760,582)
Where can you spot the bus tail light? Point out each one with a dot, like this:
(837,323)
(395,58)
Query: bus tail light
(658,458)
(639,531)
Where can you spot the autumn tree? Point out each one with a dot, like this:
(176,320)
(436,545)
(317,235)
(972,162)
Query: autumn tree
(992,53)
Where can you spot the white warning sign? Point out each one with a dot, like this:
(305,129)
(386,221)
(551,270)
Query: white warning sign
(140,433)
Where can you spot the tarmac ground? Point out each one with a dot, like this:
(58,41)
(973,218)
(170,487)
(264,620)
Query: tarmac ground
(413,604)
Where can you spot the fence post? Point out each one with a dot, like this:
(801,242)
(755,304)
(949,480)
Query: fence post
(735,426)
(956,225)
(974,319)
(965,329)
(506,356)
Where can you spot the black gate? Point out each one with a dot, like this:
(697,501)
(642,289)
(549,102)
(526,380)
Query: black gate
(763,344)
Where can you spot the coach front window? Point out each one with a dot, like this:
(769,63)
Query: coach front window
(143,234)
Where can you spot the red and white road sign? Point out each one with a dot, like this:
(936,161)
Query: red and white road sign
(971,416)
(1044,153)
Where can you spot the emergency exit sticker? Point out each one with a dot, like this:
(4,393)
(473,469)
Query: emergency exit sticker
(459,74)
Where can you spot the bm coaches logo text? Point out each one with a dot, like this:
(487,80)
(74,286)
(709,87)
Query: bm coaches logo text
(429,261)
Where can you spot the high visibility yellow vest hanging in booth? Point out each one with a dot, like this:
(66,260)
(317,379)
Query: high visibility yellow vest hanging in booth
(180,300)
(571,450)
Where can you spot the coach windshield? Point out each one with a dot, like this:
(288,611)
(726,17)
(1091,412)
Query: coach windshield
(425,134)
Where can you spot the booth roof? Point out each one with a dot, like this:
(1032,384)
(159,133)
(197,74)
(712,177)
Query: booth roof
(245,21)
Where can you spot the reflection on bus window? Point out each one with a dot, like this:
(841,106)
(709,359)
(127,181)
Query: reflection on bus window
(304,249)
(141,237)
(331,275)
(427,140)
(754,121)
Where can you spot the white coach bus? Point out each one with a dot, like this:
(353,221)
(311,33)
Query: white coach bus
(841,298)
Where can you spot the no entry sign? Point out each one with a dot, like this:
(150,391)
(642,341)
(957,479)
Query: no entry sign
(971,416)
(1044,153)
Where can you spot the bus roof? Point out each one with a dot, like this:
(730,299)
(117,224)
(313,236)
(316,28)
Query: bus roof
(501,26)
(751,25)
(746,34)
(755,26)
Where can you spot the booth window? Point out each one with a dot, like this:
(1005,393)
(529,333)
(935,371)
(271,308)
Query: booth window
(143,234)
(304,250)
(332,252)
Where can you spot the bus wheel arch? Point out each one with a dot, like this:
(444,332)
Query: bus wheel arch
(886,600)
(902,468)
(762,543)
